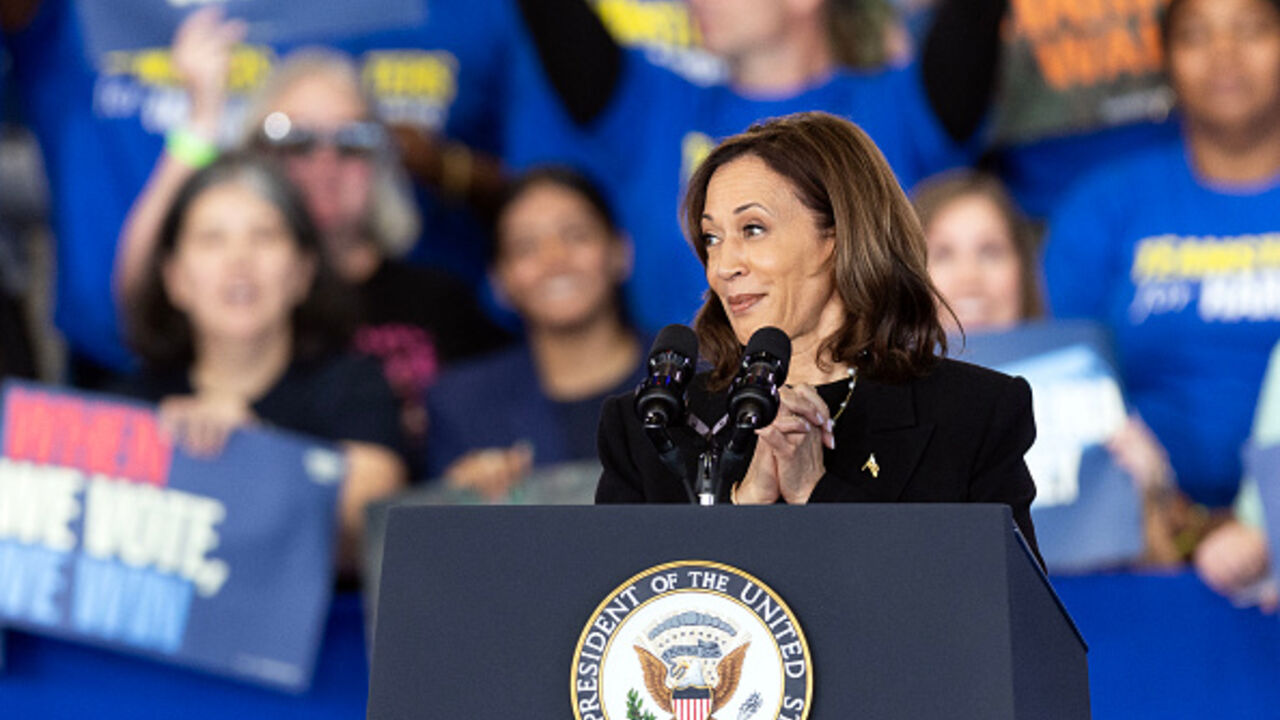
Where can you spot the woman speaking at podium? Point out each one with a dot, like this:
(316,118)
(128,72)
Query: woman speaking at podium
(801,225)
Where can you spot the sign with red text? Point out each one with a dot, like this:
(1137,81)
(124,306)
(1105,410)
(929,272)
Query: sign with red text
(1078,65)
(112,535)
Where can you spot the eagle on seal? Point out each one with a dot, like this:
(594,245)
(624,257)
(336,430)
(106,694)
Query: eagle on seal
(687,677)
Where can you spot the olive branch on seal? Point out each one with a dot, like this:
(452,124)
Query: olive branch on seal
(633,708)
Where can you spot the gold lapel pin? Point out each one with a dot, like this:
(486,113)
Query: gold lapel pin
(872,466)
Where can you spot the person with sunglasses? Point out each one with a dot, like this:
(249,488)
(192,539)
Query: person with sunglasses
(313,117)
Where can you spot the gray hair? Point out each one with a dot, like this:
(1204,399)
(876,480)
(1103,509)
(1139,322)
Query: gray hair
(394,221)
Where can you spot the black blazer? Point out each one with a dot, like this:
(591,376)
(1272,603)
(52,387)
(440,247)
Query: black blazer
(957,434)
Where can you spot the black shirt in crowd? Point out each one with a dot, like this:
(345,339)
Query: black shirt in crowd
(333,398)
(416,321)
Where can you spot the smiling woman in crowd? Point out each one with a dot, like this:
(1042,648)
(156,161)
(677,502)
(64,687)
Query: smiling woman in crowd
(984,260)
(560,262)
(238,320)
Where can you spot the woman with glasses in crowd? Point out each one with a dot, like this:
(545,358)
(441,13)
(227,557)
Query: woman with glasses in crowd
(313,116)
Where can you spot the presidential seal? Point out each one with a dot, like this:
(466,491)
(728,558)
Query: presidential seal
(692,640)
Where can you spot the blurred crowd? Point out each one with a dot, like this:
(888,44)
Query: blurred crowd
(441,238)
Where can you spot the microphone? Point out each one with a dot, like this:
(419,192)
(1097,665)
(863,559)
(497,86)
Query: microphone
(660,399)
(753,397)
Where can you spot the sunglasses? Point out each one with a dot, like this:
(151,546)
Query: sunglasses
(358,139)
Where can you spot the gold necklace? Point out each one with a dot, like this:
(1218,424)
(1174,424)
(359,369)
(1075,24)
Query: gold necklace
(853,380)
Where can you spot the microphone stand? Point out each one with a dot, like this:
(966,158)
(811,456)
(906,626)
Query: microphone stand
(709,475)
(718,465)
(655,428)
(715,464)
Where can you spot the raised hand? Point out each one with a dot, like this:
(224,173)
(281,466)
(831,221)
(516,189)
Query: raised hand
(201,53)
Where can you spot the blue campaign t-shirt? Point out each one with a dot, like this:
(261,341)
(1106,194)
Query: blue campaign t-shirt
(1042,172)
(659,126)
(1186,274)
(497,401)
(101,121)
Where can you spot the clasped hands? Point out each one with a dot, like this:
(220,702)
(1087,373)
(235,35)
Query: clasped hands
(788,460)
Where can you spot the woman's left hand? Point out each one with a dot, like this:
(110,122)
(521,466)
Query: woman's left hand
(794,442)
(202,423)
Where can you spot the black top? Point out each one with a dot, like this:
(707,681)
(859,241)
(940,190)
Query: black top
(400,294)
(498,400)
(417,321)
(957,434)
(17,358)
(341,397)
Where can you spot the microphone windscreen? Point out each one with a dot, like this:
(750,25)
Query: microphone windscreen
(679,339)
(774,343)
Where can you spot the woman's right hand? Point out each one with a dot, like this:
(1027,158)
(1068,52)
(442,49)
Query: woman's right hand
(788,459)
(201,53)
(491,472)
(760,484)
(1232,558)
(1136,449)
(201,424)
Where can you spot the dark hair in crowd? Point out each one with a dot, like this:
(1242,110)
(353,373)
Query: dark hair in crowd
(559,175)
(933,195)
(162,334)
(574,181)
(1171,11)
(891,329)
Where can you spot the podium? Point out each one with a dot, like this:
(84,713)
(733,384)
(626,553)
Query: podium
(907,611)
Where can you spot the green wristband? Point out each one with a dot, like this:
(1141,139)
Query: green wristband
(189,148)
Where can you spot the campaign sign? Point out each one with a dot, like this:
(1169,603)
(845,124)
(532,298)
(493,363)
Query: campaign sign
(1088,511)
(112,25)
(111,535)
(1078,66)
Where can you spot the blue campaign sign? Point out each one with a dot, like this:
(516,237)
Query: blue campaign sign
(1088,511)
(112,25)
(112,536)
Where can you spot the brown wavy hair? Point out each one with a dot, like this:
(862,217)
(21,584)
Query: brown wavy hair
(938,192)
(891,330)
